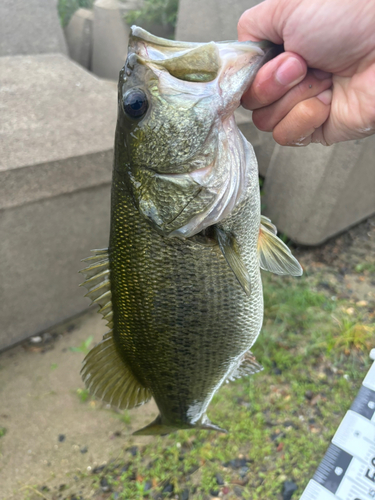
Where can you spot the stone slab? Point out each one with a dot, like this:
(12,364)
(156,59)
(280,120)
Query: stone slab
(30,27)
(215,20)
(316,192)
(110,40)
(42,246)
(65,112)
(55,173)
(78,36)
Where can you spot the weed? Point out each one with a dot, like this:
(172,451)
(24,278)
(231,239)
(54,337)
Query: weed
(125,417)
(84,347)
(155,12)
(353,335)
(365,266)
(83,395)
(66,8)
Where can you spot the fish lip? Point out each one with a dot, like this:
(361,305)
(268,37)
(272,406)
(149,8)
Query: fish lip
(265,48)
(138,33)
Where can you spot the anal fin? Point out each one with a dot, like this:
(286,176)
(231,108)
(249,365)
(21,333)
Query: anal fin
(247,365)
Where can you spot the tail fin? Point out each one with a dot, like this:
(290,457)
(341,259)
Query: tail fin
(157,428)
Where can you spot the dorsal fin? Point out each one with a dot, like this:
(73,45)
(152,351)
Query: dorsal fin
(274,255)
(108,377)
(98,283)
(104,372)
(229,248)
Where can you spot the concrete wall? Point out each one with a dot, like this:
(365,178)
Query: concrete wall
(204,21)
(314,193)
(57,133)
(30,27)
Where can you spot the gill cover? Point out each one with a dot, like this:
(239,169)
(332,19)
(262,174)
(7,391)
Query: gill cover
(185,161)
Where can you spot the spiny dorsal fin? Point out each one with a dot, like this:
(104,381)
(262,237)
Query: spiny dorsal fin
(98,283)
(108,377)
(274,255)
(246,366)
(229,247)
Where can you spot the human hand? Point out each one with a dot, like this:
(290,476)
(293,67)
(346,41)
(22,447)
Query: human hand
(334,102)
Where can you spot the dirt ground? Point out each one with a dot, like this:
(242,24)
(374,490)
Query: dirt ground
(49,433)
(48,436)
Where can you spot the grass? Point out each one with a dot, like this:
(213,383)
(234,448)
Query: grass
(315,355)
(84,347)
(154,13)
(66,9)
(314,347)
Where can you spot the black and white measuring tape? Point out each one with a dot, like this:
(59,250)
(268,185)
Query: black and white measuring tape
(347,471)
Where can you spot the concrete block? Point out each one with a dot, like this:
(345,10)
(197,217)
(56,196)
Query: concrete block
(78,36)
(216,20)
(316,192)
(262,142)
(110,40)
(55,173)
(30,27)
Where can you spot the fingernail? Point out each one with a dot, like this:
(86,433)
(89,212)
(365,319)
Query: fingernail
(321,75)
(325,97)
(290,72)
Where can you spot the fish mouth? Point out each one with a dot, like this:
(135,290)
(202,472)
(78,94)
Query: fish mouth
(198,62)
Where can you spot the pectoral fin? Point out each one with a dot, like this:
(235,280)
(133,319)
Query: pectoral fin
(274,255)
(229,247)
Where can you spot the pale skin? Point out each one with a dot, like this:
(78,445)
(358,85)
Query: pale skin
(335,101)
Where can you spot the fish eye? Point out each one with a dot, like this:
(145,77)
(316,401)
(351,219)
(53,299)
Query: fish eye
(135,103)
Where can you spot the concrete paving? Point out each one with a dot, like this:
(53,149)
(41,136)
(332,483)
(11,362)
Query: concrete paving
(39,403)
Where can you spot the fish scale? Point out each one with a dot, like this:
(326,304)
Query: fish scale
(180,285)
(187,295)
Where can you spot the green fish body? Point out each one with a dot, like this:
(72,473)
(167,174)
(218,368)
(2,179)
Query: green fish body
(180,283)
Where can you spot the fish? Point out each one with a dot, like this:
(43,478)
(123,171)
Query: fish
(180,284)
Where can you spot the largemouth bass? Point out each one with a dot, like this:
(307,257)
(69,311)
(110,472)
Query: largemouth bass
(180,284)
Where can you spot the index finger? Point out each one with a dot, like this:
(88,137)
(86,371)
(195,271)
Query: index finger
(260,23)
(274,80)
